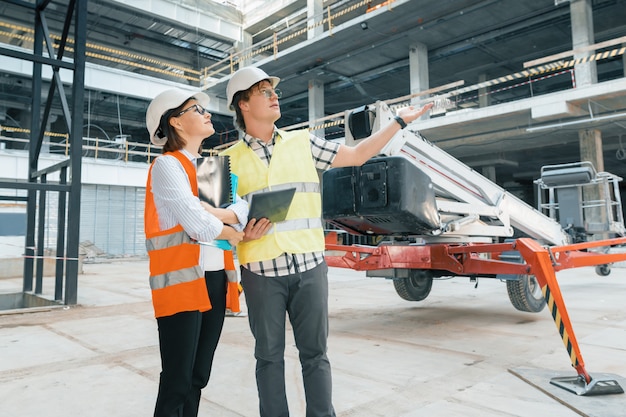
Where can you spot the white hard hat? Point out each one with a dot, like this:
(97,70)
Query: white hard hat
(168,100)
(245,78)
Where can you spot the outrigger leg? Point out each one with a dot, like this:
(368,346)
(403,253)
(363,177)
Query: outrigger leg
(538,259)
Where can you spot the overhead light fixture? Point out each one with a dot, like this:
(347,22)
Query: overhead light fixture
(364,25)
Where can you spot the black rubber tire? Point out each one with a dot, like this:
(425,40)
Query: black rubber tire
(416,287)
(525,294)
(603,270)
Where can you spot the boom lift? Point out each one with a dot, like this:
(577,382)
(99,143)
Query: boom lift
(424,215)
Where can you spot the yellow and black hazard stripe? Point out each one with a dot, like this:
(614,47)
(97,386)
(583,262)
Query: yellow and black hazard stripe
(327,124)
(558,321)
(553,66)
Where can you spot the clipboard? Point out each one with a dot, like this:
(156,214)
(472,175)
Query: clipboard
(215,182)
(216,186)
(272,205)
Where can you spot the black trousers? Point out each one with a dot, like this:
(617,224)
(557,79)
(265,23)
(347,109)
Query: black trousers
(188,341)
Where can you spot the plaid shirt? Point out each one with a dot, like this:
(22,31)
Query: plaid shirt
(323,153)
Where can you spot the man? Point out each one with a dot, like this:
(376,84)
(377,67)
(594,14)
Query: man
(282,264)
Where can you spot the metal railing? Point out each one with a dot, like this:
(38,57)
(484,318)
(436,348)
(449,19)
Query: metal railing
(118,149)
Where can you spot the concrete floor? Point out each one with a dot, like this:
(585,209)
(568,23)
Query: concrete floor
(464,351)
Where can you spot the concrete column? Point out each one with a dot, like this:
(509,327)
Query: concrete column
(591,150)
(418,72)
(243,58)
(314,13)
(624,61)
(591,147)
(581,15)
(484,99)
(489,172)
(245,48)
(316,105)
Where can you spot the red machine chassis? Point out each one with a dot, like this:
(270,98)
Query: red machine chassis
(481,259)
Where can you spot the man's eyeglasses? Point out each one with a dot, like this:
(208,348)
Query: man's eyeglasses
(268,92)
(196,107)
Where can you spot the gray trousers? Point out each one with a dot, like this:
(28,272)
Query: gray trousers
(304,296)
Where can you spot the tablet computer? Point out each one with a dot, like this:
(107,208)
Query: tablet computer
(272,205)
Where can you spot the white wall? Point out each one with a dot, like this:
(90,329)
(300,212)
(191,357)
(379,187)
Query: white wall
(14,165)
(111,202)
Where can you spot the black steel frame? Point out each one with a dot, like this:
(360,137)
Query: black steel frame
(69,185)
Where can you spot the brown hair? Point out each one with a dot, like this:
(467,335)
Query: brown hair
(174,141)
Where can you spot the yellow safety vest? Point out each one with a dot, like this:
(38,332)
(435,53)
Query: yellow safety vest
(291,165)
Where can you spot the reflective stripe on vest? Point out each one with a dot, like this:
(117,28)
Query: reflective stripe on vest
(291,165)
(301,187)
(298,224)
(180,276)
(167,240)
(176,278)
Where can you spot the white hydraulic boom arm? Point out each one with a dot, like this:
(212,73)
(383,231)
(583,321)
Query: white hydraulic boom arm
(470,205)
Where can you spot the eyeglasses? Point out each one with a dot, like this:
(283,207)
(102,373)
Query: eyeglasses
(196,107)
(268,92)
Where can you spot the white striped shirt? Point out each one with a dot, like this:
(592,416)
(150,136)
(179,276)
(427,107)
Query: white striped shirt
(176,204)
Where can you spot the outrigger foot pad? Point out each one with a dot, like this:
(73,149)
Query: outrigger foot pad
(579,386)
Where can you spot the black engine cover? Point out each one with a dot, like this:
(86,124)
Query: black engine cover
(385,196)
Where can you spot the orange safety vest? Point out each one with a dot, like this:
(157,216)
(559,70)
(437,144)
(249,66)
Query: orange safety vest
(176,278)
(233,290)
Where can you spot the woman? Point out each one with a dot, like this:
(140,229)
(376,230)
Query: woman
(188,280)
